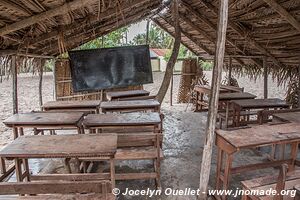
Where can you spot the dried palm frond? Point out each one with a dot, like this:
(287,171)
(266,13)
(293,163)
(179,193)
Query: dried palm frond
(233,81)
(292,94)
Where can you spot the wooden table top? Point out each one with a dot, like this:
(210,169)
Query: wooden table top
(289,116)
(124,119)
(261,103)
(130,104)
(129,93)
(236,96)
(206,89)
(61,146)
(261,135)
(71,104)
(44,118)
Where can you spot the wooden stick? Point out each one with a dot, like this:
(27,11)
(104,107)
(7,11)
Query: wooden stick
(230,71)
(213,104)
(41,84)
(14,71)
(265,64)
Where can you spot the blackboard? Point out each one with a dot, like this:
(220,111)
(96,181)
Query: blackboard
(107,68)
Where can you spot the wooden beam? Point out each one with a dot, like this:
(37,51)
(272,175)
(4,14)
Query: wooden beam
(81,24)
(13,6)
(190,37)
(79,37)
(60,10)
(283,13)
(214,28)
(214,100)
(230,71)
(244,32)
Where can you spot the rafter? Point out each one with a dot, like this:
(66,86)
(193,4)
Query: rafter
(14,6)
(214,28)
(244,32)
(185,34)
(90,19)
(284,13)
(96,30)
(60,10)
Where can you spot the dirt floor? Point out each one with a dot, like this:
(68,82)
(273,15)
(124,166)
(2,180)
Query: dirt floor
(183,137)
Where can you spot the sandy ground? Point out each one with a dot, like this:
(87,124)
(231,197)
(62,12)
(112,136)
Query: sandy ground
(183,136)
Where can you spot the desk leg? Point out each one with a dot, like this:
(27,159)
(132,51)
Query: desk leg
(219,167)
(26,169)
(226,115)
(18,164)
(2,166)
(227,170)
(197,99)
(294,149)
(112,172)
(15,132)
(21,130)
(157,162)
(201,100)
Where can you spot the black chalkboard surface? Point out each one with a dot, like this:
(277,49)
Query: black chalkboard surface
(106,68)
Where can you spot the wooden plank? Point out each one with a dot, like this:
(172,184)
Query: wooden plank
(93,104)
(261,103)
(62,197)
(236,96)
(262,135)
(54,187)
(288,116)
(44,118)
(125,94)
(134,104)
(125,119)
(61,146)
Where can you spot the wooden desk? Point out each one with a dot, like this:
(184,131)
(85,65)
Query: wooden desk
(226,98)
(288,117)
(231,142)
(269,182)
(254,104)
(124,120)
(59,146)
(203,91)
(84,106)
(135,105)
(112,96)
(44,120)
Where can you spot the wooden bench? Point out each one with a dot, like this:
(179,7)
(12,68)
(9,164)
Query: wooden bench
(57,190)
(283,182)
(137,146)
(265,114)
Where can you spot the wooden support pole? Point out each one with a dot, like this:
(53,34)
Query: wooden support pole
(41,70)
(171,90)
(172,61)
(214,100)
(147,31)
(230,71)
(265,64)
(14,71)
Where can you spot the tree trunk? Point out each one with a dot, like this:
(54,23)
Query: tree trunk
(170,66)
(214,100)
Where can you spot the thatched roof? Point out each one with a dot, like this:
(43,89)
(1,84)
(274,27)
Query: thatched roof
(256,28)
(47,26)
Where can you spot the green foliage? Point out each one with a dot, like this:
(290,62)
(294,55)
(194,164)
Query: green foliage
(183,53)
(158,38)
(207,65)
(113,39)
